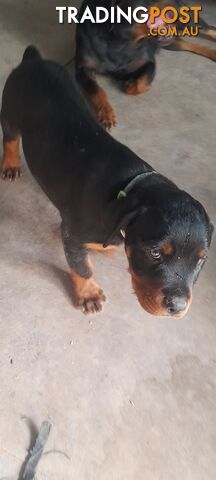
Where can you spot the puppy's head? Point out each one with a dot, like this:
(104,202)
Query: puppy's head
(167,245)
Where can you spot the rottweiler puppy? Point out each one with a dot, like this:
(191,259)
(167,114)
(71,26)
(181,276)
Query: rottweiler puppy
(105,193)
(126,52)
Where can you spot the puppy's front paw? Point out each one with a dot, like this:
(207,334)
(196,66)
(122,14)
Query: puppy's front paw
(106,116)
(12,174)
(92,304)
(88,296)
(136,87)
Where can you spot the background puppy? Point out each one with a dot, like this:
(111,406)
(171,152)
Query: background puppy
(106,195)
(126,52)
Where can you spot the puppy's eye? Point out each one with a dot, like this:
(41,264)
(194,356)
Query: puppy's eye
(154,253)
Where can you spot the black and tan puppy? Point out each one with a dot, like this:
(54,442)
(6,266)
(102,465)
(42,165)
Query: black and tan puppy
(106,195)
(126,52)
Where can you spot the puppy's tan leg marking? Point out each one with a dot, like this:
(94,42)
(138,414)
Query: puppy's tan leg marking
(208,33)
(198,49)
(102,108)
(98,247)
(87,295)
(11,160)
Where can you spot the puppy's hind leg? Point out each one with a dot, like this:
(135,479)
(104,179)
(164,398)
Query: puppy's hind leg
(10,168)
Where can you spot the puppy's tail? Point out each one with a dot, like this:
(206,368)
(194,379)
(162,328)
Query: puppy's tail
(31,53)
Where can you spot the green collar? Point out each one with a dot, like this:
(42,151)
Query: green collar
(132,183)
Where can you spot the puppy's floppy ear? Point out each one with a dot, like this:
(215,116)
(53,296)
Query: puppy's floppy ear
(119,215)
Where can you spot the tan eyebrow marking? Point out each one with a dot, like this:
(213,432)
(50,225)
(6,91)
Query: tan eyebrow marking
(167,249)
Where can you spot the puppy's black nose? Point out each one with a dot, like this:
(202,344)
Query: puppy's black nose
(175,304)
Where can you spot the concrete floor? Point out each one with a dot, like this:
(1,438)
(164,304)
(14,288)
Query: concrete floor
(129,396)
